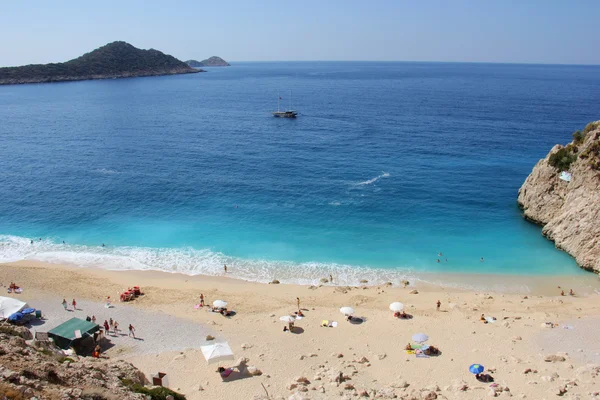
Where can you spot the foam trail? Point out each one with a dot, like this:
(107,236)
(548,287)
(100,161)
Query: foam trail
(373,180)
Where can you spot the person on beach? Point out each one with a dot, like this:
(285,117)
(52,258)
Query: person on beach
(116,327)
(482,319)
(439,304)
(64,304)
(106,326)
(298,302)
(74,305)
(107,305)
(201,300)
(93,319)
(31,241)
(131,331)
(225,268)
(562,292)
(330,278)
(571,292)
(111,323)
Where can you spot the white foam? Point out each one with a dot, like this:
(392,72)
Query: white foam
(191,262)
(373,180)
(106,171)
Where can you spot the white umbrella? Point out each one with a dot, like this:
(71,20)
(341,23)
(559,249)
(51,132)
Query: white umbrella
(287,318)
(347,310)
(396,306)
(220,303)
(420,337)
(217,352)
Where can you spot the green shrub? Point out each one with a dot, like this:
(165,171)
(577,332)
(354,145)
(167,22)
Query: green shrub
(590,127)
(562,159)
(578,137)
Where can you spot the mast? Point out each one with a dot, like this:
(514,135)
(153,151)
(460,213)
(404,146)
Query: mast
(290,100)
(278,98)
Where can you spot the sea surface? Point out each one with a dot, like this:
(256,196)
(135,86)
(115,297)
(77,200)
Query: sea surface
(387,166)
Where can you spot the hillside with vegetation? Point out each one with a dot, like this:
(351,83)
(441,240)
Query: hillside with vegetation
(114,60)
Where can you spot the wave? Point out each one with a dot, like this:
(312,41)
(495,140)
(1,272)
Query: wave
(192,261)
(106,171)
(373,180)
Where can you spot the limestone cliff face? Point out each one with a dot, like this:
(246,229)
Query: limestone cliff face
(569,211)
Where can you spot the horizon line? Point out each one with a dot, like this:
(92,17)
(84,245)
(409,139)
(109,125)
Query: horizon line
(416,61)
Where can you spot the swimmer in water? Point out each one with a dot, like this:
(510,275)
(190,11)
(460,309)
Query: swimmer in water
(481,259)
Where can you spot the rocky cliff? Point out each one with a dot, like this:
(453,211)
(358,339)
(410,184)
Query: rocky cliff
(32,369)
(568,211)
(115,60)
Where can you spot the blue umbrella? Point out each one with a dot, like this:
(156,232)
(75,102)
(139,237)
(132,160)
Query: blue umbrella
(15,317)
(28,311)
(476,368)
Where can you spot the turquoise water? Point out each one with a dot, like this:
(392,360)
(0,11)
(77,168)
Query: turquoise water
(388,165)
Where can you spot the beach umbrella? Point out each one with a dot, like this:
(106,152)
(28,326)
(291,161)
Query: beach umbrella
(476,368)
(215,353)
(287,318)
(28,310)
(220,303)
(420,337)
(396,306)
(347,310)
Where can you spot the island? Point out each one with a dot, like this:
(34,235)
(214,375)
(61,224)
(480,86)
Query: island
(114,60)
(213,61)
(562,193)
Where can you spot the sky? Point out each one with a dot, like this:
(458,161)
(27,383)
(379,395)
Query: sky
(504,31)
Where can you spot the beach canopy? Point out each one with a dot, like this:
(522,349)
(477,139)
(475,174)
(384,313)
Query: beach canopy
(219,303)
(396,306)
(66,333)
(214,353)
(420,337)
(9,306)
(347,310)
(476,368)
(287,318)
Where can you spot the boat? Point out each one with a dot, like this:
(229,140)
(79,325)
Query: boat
(284,114)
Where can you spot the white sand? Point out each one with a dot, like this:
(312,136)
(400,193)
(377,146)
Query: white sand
(515,343)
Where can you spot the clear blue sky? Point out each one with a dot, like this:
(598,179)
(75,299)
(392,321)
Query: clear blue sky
(522,31)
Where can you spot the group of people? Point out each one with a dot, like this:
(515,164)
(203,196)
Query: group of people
(66,305)
(13,288)
(571,292)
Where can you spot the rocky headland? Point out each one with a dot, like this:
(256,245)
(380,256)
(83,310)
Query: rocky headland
(31,369)
(114,60)
(213,61)
(568,210)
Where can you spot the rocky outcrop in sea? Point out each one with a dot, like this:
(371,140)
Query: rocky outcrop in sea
(562,194)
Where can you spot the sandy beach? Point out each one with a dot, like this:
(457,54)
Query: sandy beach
(371,354)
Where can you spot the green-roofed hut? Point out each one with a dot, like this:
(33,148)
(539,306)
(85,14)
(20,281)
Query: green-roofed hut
(67,334)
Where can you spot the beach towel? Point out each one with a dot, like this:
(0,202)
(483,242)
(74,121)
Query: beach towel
(325,323)
(197,306)
(491,320)
(568,327)
(421,355)
(299,317)
(226,373)
(334,324)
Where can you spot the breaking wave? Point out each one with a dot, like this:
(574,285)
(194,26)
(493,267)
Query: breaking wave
(373,180)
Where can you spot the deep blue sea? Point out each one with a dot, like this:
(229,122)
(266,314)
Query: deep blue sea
(388,165)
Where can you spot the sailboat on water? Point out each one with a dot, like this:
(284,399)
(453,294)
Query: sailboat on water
(284,114)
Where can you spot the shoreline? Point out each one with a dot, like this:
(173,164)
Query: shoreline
(583,284)
(319,353)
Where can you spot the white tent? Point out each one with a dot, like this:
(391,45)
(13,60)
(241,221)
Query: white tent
(217,352)
(10,306)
